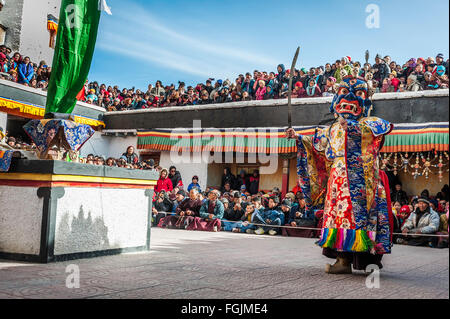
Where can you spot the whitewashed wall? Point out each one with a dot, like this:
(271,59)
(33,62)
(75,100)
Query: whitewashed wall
(20,220)
(3,121)
(107,146)
(34,36)
(187,170)
(100,219)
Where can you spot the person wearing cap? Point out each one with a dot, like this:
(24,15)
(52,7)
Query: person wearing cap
(180,196)
(424,220)
(439,59)
(194,184)
(150,165)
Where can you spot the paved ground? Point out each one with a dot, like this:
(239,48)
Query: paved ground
(193,265)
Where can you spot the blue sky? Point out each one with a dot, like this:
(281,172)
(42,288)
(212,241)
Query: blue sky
(178,40)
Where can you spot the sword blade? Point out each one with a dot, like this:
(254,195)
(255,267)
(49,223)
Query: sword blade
(291,76)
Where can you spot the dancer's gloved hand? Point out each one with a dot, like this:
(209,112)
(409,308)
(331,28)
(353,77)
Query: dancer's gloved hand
(291,134)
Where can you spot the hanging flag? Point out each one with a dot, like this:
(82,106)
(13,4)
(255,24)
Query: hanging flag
(52,27)
(103,6)
(75,43)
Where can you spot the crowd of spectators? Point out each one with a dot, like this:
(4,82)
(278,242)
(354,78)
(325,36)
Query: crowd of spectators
(385,75)
(239,205)
(420,219)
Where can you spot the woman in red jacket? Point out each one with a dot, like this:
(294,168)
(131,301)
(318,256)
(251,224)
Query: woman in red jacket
(164,183)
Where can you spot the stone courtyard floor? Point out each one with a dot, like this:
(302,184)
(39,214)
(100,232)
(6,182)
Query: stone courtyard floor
(197,265)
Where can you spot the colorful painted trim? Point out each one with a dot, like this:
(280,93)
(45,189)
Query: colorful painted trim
(403,138)
(37,112)
(261,140)
(348,240)
(74,179)
(5,160)
(417,138)
(38,184)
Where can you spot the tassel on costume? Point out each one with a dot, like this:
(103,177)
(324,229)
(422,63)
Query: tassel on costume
(331,238)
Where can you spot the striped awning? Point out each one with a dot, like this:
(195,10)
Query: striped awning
(418,138)
(404,138)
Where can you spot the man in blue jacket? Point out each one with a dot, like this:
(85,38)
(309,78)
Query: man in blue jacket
(26,72)
(271,216)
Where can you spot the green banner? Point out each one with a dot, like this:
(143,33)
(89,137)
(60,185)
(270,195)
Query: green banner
(75,43)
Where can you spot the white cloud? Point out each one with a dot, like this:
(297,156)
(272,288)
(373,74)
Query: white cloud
(141,36)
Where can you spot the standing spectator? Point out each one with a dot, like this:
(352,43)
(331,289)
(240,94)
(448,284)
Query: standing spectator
(130,156)
(399,195)
(175,177)
(194,184)
(164,183)
(381,70)
(261,90)
(229,178)
(26,72)
(253,187)
(3,58)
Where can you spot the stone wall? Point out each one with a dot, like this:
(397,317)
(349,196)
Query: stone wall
(11,18)
(34,36)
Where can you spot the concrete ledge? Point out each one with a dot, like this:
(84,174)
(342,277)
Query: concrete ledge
(19,92)
(56,211)
(408,107)
(65,168)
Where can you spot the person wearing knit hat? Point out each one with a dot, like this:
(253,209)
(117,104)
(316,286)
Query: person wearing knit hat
(439,70)
(424,220)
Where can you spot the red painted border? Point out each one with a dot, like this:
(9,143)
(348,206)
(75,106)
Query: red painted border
(19,183)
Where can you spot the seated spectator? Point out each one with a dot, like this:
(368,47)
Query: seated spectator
(399,219)
(164,183)
(313,90)
(161,207)
(236,209)
(271,215)
(299,218)
(443,229)
(250,217)
(179,198)
(421,222)
(211,213)
(194,184)
(185,212)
